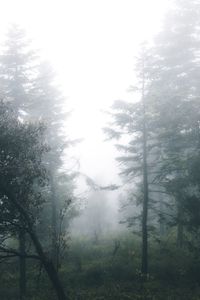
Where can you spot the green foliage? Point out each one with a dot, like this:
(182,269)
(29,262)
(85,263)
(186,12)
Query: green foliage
(173,273)
(22,173)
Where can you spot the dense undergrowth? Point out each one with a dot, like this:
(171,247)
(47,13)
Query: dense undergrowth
(110,269)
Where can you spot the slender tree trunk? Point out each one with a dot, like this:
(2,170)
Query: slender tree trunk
(22,265)
(144,267)
(54,224)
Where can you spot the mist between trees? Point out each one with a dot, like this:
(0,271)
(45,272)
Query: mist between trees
(137,239)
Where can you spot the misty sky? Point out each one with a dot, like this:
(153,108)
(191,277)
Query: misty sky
(92,45)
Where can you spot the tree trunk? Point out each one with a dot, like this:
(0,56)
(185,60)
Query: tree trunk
(49,267)
(144,268)
(47,264)
(54,225)
(22,265)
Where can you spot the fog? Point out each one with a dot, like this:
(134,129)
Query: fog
(92,46)
(99,149)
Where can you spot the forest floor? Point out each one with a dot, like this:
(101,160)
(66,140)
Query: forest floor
(108,269)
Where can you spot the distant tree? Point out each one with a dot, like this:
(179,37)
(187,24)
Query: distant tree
(95,217)
(17,68)
(49,106)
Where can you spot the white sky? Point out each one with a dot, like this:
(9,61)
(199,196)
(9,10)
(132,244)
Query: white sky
(92,44)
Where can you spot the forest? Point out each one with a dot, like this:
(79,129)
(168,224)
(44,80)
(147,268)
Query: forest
(58,242)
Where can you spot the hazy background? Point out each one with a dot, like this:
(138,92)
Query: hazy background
(92,45)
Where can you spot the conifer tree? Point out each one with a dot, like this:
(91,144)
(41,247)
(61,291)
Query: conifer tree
(175,94)
(133,121)
(30,87)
